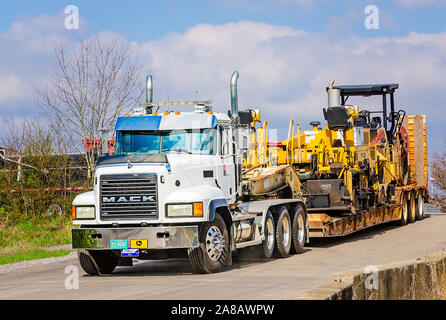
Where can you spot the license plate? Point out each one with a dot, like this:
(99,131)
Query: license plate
(138,244)
(119,244)
(130,253)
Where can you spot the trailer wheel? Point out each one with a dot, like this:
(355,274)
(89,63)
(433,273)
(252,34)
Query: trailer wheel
(266,249)
(412,207)
(404,210)
(106,261)
(283,233)
(420,207)
(213,250)
(299,230)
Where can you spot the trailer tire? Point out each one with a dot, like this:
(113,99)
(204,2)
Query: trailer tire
(266,249)
(283,233)
(106,261)
(412,207)
(299,230)
(420,207)
(213,250)
(404,210)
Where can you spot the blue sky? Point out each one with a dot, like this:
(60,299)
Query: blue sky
(285,50)
(142,21)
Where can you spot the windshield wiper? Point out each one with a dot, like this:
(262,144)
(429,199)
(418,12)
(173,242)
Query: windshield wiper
(177,150)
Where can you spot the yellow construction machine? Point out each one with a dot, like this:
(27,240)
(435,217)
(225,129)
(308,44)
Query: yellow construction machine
(364,167)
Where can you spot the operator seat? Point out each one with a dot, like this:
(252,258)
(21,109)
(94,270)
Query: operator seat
(337,118)
(375,123)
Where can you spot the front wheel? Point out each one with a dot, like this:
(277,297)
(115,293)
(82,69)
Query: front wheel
(213,251)
(98,261)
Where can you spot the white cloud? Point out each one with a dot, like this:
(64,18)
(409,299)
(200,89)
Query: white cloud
(282,65)
(418,3)
(11,88)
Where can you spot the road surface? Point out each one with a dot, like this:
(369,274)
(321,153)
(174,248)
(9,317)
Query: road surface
(247,279)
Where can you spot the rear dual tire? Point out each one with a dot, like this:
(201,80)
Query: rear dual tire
(404,209)
(420,207)
(412,207)
(284,235)
(299,230)
(266,249)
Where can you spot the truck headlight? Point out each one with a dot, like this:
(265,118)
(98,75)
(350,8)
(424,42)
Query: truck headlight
(83,212)
(185,210)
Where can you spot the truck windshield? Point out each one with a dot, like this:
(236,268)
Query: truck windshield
(191,141)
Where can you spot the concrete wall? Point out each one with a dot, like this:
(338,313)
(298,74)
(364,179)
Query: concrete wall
(413,279)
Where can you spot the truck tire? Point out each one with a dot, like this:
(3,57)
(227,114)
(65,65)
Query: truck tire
(106,261)
(299,230)
(283,233)
(404,210)
(420,206)
(266,249)
(213,250)
(412,207)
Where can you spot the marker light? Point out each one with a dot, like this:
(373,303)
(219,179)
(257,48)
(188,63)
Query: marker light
(198,209)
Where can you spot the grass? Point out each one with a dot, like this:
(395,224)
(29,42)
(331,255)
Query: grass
(32,255)
(26,238)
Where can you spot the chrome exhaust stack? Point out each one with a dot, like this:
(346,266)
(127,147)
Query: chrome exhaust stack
(234,97)
(149,93)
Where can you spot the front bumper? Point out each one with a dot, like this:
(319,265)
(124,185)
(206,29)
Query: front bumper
(157,237)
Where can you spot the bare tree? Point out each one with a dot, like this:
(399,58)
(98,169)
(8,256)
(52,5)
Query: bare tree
(438,174)
(92,86)
(12,137)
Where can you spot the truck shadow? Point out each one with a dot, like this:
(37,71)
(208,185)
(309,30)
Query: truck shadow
(364,234)
(181,267)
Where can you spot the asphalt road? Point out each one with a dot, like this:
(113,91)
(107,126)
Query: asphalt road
(247,279)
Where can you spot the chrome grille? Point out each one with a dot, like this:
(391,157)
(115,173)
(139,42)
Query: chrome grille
(129,196)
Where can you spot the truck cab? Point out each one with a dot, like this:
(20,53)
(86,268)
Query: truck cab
(167,169)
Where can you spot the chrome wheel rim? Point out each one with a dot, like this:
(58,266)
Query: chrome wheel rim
(421,205)
(404,208)
(300,229)
(215,243)
(285,231)
(269,234)
(413,207)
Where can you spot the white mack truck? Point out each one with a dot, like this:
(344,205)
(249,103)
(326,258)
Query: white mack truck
(188,184)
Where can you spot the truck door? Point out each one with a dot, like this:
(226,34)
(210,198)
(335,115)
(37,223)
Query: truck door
(226,167)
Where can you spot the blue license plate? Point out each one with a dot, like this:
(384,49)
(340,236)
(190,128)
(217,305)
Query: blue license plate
(130,253)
